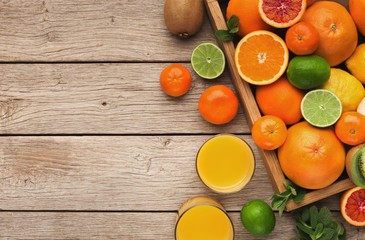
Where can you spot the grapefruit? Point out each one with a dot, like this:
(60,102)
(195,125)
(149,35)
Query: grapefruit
(337,31)
(282,14)
(353,206)
(311,157)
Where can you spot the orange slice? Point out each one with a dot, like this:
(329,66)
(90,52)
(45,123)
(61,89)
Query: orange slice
(261,57)
(353,206)
(283,13)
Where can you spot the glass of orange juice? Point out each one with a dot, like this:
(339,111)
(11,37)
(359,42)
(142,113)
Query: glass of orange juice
(225,163)
(203,218)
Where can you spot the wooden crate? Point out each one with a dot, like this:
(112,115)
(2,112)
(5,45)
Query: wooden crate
(252,113)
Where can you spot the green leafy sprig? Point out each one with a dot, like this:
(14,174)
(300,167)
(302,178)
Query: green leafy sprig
(294,192)
(312,224)
(233,26)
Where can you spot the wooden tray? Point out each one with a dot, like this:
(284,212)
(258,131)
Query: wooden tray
(252,113)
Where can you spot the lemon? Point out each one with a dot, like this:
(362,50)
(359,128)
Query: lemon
(346,87)
(356,63)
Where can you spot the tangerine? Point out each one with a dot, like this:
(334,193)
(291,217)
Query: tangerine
(311,157)
(175,80)
(350,128)
(302,38)
(280,99)
(269,132)
(337,31)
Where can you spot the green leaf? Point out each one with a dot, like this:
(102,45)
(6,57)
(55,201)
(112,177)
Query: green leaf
(328,233)
(306,215)
(232,21)
(325,216)
(305,229)
(287,183)
(293,191)
(319,230)
(300,196)
(234,30)
(224,35)
(313,216)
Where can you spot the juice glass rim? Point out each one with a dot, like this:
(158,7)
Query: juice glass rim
(205,204)
(196,163)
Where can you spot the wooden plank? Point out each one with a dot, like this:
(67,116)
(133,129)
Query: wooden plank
(101,99)
(113,173)
(84,30)
(80,225)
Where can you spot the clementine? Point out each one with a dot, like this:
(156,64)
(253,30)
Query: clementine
(312,157)
(302,38)
(337,31)
(357,10)
(350,128)
(280,99)
(248,13)
(269,132)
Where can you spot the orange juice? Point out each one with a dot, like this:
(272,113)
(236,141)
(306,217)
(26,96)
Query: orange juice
(225,163)
(203,218)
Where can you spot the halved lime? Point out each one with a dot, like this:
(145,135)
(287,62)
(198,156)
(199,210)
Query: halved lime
(321,108)
(208,60)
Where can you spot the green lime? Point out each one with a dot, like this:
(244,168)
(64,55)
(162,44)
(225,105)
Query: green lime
(321,108)
(308,72)
(208,60)
(258,218)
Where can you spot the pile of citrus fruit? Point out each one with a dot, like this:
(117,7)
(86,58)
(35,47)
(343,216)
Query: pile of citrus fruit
(313,107)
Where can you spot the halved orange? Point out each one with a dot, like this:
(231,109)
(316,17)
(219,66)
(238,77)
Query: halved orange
(283,13)
(261,57)
(353,206)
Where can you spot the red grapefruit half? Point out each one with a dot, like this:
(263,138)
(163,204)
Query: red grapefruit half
(283,13)
(353,206)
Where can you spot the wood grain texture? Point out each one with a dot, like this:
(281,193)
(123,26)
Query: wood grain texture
(91,30)
(113,173)
(126,226)
(101,99)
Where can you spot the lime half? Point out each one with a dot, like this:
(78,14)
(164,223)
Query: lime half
(208,60)
(321,108)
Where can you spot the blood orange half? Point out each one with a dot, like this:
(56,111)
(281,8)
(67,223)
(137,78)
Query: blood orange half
(353,206)
(283,13)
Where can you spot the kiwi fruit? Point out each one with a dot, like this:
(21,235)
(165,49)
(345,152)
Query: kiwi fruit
(355,165)
(184,17)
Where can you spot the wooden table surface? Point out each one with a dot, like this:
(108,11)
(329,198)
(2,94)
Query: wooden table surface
(91,147)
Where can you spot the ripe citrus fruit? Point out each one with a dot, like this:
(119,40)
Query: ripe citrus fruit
(321,108)
(311,157)
(258,218)
(218,104)
(283,13)
(261,57)
(302,38)
(269,132)
(361,107)
(280,99)
(208,60)
(310,2)
(175,80)
(350,128)
(352,206)
(248,13)
(337,31)
(347,88)
(356,63)
(357,9)
(308,72)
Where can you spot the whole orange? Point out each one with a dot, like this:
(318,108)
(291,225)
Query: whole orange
(311,157)
(357,10)
(337,31)
(350,128)
(280,99)
(302,38)
(175,80)
(218,104)
(269,132)
(310,2)
(248,13)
